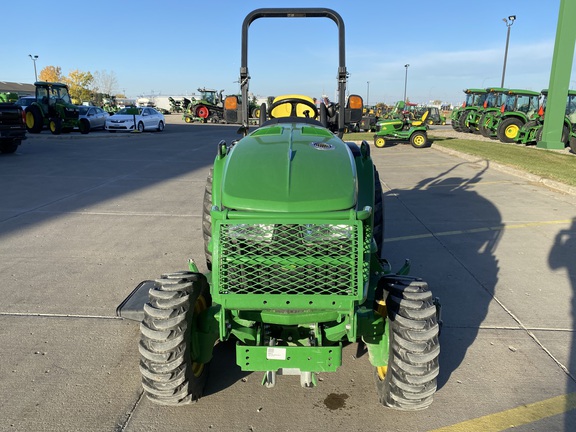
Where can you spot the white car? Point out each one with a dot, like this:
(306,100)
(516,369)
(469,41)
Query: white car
(136,118)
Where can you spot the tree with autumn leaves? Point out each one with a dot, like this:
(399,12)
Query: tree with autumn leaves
(83,86)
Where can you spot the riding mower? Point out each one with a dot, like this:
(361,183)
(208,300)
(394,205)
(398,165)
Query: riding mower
(403,130)
(293,233)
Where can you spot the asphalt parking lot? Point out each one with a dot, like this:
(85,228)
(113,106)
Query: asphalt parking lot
(85,218)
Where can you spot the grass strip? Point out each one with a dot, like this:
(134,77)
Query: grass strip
(548,164)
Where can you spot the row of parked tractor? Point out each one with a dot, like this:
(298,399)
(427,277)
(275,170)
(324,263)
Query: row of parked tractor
(511,115)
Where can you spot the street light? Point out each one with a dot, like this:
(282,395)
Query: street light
(367,92)
(405,81)
(34,58)
(508,21)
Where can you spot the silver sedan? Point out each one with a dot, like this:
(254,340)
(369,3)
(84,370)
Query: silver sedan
(95,116)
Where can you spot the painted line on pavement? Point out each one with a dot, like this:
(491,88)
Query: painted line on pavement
(515,417)
(477,230)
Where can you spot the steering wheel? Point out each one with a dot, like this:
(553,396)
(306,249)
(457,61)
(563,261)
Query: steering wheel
(294,103)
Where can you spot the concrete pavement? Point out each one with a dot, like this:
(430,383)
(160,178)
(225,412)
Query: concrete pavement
(82,221)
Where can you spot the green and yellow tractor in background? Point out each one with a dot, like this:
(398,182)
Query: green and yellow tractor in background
(531,131)
(474,101)
(473,122)
(519,106)
(293,227)
(210,107)
(53,108)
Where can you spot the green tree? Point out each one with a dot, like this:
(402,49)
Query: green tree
(51,74)
(79,84)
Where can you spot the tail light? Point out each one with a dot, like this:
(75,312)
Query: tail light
(355,102)
(231,103)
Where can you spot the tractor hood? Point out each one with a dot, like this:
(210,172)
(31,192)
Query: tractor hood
(289,167)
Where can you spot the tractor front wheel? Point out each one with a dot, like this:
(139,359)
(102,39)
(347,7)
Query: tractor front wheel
(378,230)
(188,119)
(168,346)
(508,129)
(206,218)
(573,144)
(408,382)
(379,142)
(55,126)
(419,139)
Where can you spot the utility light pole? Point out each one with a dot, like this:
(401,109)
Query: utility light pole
(508,21)
(405,81)
(367,92)
(34,58)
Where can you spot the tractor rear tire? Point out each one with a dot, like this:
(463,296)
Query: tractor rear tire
(506,129)
(419,139)
(409,381)
(34,119)
(463,125)
(484,131)
(206,219)
(170,376)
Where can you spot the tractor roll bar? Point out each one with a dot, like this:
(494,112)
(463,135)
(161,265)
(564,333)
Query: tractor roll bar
(295,13)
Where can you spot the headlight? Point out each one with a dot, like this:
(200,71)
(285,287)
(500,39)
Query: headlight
(322,233)
(303,234)
(258,232)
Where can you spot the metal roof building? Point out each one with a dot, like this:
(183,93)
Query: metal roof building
(20,88)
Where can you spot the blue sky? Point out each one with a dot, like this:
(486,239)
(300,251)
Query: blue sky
(173,47)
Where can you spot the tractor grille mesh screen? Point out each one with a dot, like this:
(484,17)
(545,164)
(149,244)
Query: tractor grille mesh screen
(288,259)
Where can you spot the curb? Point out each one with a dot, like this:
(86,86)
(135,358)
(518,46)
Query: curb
(560,187)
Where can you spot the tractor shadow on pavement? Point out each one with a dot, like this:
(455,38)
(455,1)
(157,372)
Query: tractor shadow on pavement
(450,233)
(223,372)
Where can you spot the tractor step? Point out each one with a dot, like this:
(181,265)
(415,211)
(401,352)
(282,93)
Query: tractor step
(132,307)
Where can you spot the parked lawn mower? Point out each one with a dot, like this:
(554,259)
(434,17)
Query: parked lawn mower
(293,233)
(414,131)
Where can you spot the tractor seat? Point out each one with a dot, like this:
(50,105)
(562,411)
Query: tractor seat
(422,119)
(284,110)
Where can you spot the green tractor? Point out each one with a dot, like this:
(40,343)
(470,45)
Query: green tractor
(474,102)
(531,131)
(210,107)
(434,117)
(414,131)
(518,107)
(473,123)
(8,97)
(54,108)
(293,230)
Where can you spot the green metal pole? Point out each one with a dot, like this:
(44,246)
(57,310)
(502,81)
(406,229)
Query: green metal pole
(560,76)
